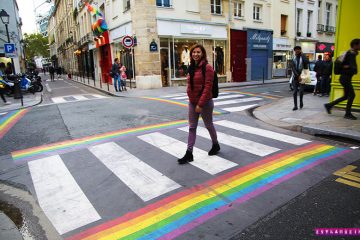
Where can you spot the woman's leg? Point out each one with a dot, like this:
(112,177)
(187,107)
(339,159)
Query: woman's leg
(207,115)
(193,122)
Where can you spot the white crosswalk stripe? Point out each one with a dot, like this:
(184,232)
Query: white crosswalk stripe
(75,98)
(239,108)
(262,132)
(3,113)
(234,101)
(235,142)
(144,180)
(60,196)
(174,95)
(210,164)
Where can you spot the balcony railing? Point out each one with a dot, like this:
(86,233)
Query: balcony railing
(329,29)
(320,28)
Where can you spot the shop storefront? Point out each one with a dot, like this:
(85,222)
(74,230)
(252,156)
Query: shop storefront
(259,54)
(125,55)
(324,48)
(282,54)
(308,48)
(176,39)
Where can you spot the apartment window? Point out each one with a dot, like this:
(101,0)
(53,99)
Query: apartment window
(328,14)
(283,24)
(257,12)
(126,5)
(216,6)
(298,21)
(239,9)
(163,3)
(309,22)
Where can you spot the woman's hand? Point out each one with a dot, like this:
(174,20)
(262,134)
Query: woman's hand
(198,109)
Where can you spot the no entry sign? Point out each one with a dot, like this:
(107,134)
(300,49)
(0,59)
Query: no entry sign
(128,41)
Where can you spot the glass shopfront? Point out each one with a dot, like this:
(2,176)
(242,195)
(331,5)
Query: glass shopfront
(175,57)
(125,57)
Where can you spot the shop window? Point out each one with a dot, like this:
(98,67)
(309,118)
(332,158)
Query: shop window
(257,12)
(163,3)
(219,57)
(216,6)
(239,9)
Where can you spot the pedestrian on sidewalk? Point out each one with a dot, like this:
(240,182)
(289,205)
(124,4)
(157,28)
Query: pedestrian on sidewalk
(318,69)
(349,69)
(52,73)
(115,70)
(326,76)
(199,91)
(298,63)
(123,77)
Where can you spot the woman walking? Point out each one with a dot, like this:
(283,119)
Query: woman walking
(199,91)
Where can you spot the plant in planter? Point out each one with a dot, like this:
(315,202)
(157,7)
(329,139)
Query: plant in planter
(298,34)
(308,34)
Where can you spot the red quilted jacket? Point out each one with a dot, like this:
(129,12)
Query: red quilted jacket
(194,95)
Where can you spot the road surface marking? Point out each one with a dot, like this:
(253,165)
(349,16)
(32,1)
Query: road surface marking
(174,95)
(349,174)
(80,97)
(142,179)
(228,96)
(60,197)
(237,101)
(58,100)
(185,97)
(235,142)
(262,132)
(210,164)
(239,109)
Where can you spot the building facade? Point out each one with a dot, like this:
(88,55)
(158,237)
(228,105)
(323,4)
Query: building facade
(245,40)
(15,35)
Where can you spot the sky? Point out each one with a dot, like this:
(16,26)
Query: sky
(27,13)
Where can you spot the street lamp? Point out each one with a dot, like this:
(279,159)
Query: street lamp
(5,20)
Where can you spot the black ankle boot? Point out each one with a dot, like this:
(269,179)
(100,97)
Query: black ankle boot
(215,149)
(188,157)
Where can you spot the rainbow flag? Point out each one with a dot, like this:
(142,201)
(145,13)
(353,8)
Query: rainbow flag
(93,10)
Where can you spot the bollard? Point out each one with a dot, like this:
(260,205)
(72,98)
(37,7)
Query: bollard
(17,89)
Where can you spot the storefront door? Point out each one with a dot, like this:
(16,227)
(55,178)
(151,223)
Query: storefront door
(258,64)
(238,55)
(105,63)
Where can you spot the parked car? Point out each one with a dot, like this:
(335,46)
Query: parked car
(311,85)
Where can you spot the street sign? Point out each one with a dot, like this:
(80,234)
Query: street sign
(10,50)
(128,41)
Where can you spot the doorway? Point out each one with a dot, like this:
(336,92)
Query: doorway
(238,55)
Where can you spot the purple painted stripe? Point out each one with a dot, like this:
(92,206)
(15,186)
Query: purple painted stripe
(209,215)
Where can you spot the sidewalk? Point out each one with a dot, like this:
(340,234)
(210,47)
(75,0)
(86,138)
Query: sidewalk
(29,100)
(312,119)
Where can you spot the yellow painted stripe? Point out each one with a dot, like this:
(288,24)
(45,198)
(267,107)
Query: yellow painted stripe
(348,176)
(347,182)
(141,222)
(354,174)
(345,170)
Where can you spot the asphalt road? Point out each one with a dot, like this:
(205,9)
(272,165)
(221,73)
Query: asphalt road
(78,136)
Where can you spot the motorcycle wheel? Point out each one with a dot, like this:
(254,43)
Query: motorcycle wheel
(39,88)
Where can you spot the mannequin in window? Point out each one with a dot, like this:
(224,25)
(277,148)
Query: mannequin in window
(185,56)
(219,60)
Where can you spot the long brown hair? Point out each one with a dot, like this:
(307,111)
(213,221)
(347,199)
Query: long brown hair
(193,65)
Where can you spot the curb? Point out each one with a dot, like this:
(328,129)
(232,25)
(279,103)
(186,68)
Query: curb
(8,230)
(24,107)
(302,129)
